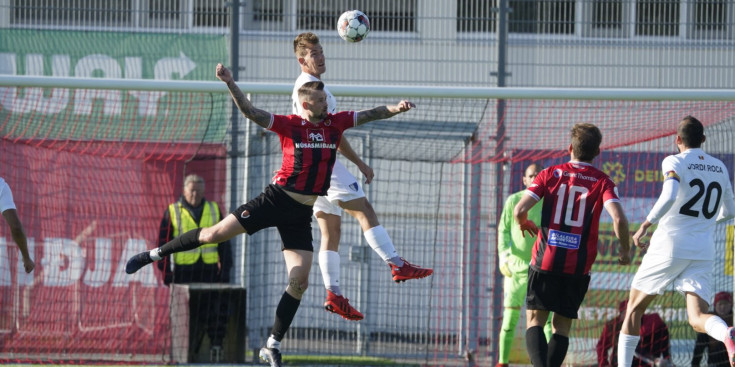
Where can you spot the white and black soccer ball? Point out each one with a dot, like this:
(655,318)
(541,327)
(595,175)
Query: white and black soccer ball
(353,26)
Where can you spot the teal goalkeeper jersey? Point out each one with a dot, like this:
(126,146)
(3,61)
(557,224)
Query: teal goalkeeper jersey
(511,243)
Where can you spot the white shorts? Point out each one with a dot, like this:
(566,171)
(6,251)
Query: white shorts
(657,272)
(343,187)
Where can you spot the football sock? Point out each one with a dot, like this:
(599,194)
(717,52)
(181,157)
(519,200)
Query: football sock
(536,345)
(626,349)
(273,343)
(507,331)
(187,241)
(285,313)
(397,261)
(557,350)
(329,265)
(716,328)
(379,240)
(154,254)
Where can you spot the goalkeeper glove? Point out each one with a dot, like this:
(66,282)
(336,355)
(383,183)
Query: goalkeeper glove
(505,270)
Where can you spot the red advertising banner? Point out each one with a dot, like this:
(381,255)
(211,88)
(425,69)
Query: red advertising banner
(85,215)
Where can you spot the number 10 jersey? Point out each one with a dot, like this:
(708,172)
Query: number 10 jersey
(574,195)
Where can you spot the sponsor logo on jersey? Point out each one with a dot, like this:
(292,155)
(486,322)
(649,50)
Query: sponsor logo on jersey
(672,175)
(315,146)
(564,239)
(315,139)
(558,173)
(315,135)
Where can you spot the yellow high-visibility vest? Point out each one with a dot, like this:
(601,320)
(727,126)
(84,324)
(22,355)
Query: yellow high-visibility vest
(182,221)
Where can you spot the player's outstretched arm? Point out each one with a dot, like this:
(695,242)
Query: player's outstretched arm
(260,117)
(383,112)
(622,231)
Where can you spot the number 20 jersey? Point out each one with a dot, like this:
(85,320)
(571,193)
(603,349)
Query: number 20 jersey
(687,229)
(574,195)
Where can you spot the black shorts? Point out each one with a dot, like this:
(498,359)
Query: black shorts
(561,294)
(274,208)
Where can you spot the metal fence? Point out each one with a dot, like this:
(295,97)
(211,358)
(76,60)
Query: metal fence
(560,43)
(565,43)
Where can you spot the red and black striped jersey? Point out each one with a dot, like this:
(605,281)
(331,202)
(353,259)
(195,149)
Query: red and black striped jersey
(309,150)
(574,195)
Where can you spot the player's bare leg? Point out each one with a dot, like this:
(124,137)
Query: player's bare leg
(379,240)
(539,349)
(630,330)
(713,325)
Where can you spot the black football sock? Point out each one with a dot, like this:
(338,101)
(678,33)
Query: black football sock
(558,346)
(187,241)
(285,313)
(536,346)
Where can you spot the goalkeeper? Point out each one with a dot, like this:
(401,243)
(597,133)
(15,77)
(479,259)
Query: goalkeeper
(514,255)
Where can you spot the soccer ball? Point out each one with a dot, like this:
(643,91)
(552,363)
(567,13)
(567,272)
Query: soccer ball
(353,26)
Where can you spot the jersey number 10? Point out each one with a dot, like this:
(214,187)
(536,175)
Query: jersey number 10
(573,192)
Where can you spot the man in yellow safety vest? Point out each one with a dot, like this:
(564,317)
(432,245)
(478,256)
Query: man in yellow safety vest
(209,263)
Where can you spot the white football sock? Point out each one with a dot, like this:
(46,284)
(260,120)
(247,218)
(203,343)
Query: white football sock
(397,261)
(329,265)
(273,343)
(626,349)
(716,328)
(379,240)
(154,255)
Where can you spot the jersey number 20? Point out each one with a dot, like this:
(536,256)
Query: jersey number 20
(686,209)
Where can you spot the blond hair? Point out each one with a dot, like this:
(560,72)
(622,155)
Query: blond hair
(303,41)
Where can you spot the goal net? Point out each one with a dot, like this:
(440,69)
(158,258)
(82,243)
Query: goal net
(443,172)
(93,169)
(92,172)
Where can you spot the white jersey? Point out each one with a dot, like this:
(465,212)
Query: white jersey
(6,196)
(686,230)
